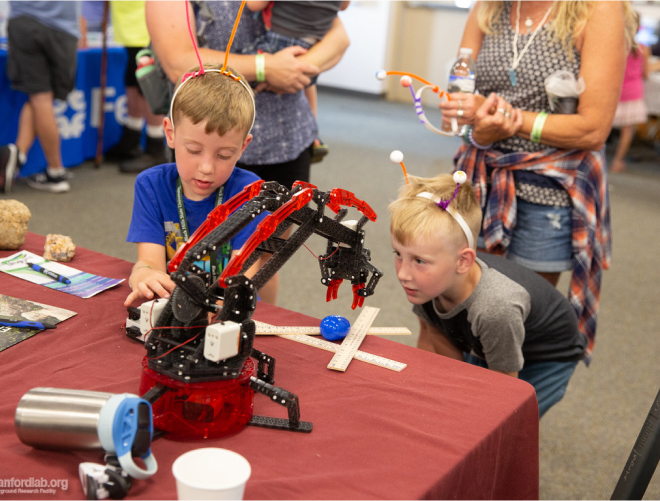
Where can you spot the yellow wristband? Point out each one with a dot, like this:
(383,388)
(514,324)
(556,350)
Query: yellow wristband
(537,128)
(260,63)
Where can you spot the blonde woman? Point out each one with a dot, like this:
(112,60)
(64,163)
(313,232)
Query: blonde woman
(540,177)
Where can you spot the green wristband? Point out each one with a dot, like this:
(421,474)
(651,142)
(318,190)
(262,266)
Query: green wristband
(260,67)
(537,129)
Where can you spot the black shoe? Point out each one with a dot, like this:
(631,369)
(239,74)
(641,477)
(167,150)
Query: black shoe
(154,154)
(127,148)
(45,182)
(8,166)
(319,151)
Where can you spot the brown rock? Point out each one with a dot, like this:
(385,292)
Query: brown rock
(14,217)
(59,248)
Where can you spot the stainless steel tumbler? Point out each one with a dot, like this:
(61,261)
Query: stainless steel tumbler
(55,418)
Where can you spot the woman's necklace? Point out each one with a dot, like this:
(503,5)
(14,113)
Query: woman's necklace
(516,57)
(528,24)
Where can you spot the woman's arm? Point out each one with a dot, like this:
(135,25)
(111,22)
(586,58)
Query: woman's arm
(603,61)
(431,339)
(149,276)
(175,51)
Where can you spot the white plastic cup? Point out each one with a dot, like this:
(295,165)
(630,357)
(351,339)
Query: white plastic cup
(211,473)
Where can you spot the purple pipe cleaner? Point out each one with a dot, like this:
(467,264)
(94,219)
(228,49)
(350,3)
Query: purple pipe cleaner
(443,204)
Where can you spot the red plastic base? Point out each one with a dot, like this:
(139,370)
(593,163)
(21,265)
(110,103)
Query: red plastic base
(201,410)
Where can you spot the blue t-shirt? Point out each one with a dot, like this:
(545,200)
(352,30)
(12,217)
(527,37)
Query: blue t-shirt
(156,219)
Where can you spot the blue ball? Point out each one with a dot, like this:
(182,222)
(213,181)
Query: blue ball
(335,327)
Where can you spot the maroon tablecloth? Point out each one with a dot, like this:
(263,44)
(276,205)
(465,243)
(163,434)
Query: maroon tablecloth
(439,429)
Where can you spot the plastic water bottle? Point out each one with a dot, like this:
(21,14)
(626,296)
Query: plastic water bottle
(462,78)
(462,75)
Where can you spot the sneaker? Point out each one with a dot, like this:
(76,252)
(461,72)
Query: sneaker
(45,182)
(320,150)
(8,165)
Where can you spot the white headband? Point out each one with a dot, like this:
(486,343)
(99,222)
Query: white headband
(459,219)
(195,74)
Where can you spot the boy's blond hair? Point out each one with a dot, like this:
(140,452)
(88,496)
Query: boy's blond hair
(414,218)
(219,99)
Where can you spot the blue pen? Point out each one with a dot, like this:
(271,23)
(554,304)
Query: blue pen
(26,324)
(48,273)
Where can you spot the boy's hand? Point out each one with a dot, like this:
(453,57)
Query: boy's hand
(146,283)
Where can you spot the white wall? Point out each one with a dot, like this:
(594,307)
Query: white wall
(366,23)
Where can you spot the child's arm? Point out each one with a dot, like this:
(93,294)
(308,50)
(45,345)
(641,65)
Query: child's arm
(344,5)
(433,340)
(149,276)
(330,49)
(257,6)
(268,293)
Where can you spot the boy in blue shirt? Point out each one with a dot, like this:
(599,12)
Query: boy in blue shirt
(474,307)
(211,116)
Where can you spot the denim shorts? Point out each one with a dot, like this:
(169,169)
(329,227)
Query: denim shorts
(549,379)
(542,239)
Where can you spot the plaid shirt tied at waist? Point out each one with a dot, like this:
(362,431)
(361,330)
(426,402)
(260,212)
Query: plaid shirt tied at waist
(581,173)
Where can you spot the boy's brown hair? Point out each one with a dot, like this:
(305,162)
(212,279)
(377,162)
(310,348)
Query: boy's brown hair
(414,217)
(223,102)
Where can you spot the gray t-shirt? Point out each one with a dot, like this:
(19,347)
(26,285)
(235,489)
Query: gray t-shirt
(513,316)
(59,15)
(303,19)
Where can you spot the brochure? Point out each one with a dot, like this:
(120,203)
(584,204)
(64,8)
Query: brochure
(55,275)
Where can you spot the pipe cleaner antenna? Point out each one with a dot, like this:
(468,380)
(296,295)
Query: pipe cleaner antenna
(233,32)
(406,81)
(223,71)
(397,157)
(192,37)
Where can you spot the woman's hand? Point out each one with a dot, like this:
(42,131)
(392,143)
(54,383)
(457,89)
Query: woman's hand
(146,283)
(285,73)
(496,120)
(462,106)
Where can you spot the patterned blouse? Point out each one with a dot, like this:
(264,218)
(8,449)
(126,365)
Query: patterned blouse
(543,57)
(284,123)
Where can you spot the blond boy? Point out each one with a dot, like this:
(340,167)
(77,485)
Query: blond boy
(479,308)
(209,128)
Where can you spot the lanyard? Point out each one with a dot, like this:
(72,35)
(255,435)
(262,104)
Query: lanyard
(183,221)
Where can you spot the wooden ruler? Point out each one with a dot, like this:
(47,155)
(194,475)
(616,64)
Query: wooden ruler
(353,340)
(359,355)
(269,330)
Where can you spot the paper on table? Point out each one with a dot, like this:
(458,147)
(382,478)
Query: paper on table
(82,284)
(22,309)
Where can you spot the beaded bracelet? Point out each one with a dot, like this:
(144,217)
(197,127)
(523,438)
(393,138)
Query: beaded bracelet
(477,145)
(464,133)
(260,67)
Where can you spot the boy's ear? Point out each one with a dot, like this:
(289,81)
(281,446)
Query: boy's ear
(466,258)
(248,140)
(168,128)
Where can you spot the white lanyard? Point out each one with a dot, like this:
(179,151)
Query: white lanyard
(517,58)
